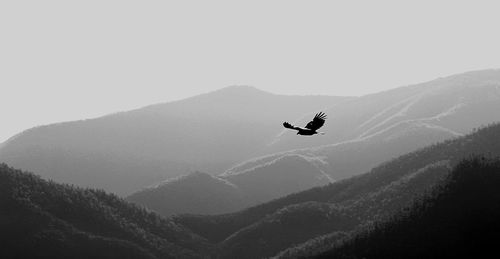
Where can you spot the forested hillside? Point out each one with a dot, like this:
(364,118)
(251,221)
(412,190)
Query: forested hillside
(42,219)
(458,219)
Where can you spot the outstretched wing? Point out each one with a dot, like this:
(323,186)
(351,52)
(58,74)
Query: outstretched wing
(290,126)
(317,122)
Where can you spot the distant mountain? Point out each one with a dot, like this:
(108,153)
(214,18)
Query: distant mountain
(218,131)
(456,104)
(127,151)
(41,219)
(201,193)
(459,219)
(341,207)
(372,129)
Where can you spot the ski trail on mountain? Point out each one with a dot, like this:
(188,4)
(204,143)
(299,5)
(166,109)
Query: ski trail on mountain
(401,113)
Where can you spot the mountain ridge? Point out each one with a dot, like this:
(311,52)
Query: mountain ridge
(207,132)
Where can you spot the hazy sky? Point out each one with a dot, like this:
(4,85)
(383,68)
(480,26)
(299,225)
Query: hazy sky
(67,60)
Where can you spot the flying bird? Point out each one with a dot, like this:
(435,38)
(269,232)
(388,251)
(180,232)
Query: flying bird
(311,127)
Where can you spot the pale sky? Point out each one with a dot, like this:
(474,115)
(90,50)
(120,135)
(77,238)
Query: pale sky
(68,60)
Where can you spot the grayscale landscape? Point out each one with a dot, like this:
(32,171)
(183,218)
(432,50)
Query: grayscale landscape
(236,130)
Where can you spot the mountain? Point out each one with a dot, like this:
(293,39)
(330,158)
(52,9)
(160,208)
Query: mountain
(458,219)
(43,219)
(127,151)
(218,131)
(340,207)
(361,134)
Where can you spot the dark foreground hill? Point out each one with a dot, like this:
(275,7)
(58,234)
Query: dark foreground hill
(41,219)
(458,220)
(341,207)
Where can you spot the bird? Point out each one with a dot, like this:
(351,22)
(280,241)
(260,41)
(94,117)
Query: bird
(311,127)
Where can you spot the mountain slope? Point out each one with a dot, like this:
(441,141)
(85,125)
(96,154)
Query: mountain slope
(193,193)
(458,103)
(381,126)
(270,177)
(41,219)
(127,151)
(459,219)
(369,197)
(346,159)
(279,177)
(200,193)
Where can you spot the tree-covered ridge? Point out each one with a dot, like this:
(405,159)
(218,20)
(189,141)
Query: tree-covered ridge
(40,218)
(458,219)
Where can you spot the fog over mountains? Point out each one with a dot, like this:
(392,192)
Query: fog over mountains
(127,151)
(216,132)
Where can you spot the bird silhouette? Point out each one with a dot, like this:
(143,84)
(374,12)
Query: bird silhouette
(311,127)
